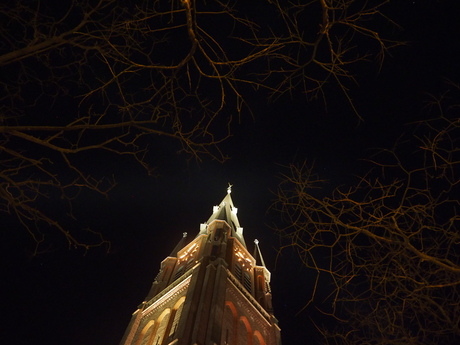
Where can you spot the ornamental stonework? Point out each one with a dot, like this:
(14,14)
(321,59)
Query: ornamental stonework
(233,294)
(168,300)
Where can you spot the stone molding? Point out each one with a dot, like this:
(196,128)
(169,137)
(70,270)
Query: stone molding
(249,297)
(171,286)
(169,295)
(252,313)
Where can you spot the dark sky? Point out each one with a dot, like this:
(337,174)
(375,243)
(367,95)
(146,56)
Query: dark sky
(65,296)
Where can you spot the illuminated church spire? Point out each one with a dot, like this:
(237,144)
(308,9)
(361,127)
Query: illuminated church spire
(228,212)
(208,291)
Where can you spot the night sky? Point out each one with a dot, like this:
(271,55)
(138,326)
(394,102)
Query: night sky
(67,296)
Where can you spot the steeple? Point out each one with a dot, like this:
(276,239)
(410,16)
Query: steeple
(208,291)
(179,245)
(258,254)
(228,212)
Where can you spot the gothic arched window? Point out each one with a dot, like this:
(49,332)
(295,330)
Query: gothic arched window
(229,325)
(175,318)
(146,333)
(258,339)
(244,332)
(162,324)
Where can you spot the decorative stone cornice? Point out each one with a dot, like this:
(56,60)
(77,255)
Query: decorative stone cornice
(251,313)
(171,295)
(248,296)
(170,287)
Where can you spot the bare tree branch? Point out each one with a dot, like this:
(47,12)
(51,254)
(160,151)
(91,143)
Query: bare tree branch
(114,76)
(390,244)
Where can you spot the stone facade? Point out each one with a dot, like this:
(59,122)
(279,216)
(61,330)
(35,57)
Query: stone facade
(210,291)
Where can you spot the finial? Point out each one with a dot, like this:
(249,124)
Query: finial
(184,234)
(229,188)
(257,251)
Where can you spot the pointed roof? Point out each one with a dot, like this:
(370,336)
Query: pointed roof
(179,246)
(258,254)
(228,212)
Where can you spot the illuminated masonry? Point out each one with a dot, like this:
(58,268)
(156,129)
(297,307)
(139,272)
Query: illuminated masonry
(210,291)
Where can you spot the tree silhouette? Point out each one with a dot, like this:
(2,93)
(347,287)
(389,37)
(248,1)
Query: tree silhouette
(389,244)
(83,78)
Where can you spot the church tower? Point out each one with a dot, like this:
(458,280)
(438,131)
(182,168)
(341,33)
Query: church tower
(209,291)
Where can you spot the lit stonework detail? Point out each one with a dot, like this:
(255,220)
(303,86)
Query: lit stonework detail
(244,260)
(209,291)
(219,230)
(238,309)
(188,254)
(158,329)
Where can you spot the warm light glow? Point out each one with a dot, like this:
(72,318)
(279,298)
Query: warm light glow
(189,252)
(241,257)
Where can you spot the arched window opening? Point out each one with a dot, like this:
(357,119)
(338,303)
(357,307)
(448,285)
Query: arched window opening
(229,324)
(218,233)
(162,323)
(260,283)
(146,333)
(244,332)
(175,316)
(258,338)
